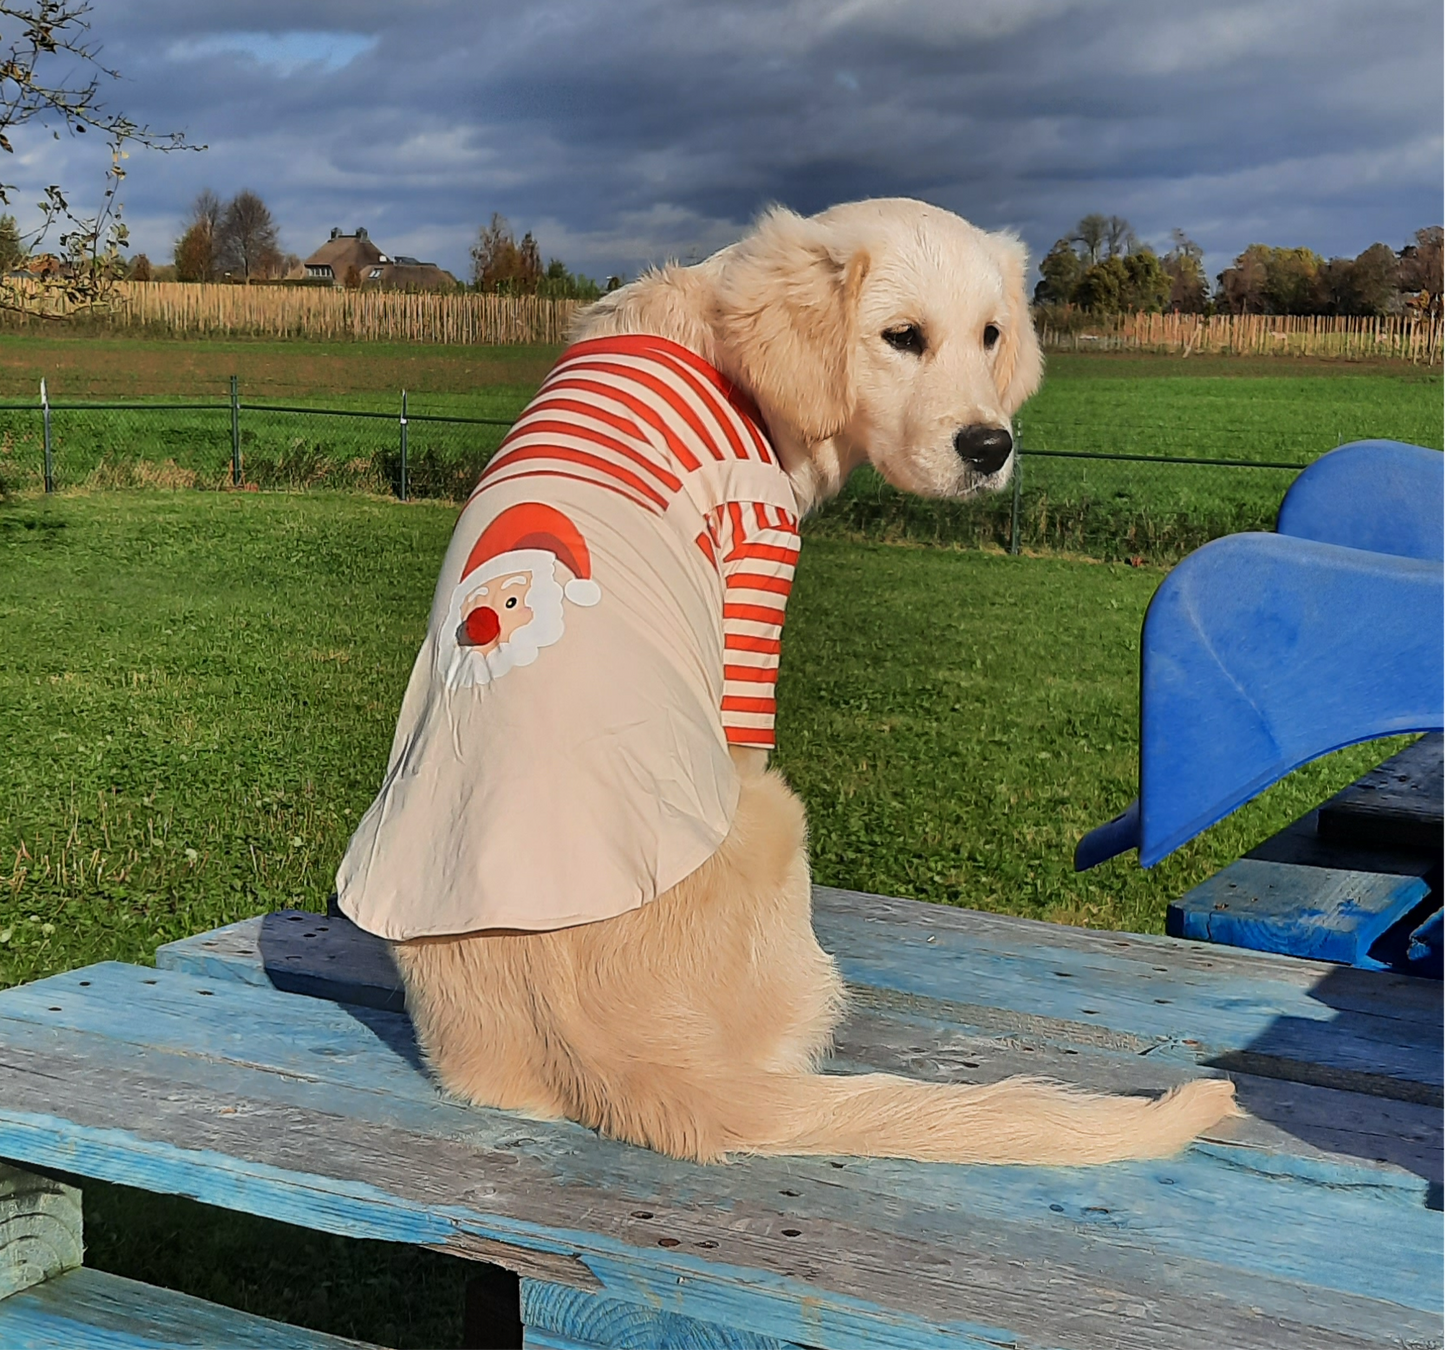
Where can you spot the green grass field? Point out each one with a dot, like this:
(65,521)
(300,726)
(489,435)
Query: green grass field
(1234,408)
(1219,408)
(197,694)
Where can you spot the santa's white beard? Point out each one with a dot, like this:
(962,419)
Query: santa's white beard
(464,667)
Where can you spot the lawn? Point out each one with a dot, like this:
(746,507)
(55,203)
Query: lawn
(1268,409)
(197,695)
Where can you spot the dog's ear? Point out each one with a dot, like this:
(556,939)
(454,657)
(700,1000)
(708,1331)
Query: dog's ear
(786,321)
(1019,368)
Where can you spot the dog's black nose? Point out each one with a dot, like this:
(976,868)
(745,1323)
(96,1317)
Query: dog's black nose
(984,448)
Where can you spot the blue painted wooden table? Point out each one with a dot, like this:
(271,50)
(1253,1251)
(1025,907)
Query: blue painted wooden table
(1358,880)
(233,1074)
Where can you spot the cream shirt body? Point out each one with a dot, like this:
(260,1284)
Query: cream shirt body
(596,776)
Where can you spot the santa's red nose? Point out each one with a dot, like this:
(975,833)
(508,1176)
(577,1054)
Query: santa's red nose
(483,626)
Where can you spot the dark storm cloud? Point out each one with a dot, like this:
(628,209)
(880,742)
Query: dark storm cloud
(631,131)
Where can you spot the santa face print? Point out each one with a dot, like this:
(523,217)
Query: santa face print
(509,603)
(494,611)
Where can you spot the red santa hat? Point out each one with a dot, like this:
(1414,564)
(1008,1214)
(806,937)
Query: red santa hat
(529,527)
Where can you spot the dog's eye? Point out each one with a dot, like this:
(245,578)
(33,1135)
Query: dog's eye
(908,338)
(990,336)
(511,602)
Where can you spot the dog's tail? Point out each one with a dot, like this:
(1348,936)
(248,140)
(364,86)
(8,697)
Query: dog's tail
(1018,1120)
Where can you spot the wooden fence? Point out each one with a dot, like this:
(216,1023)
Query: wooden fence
(1401,337)
(183,308)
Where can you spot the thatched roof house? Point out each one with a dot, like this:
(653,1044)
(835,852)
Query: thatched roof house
(336,258)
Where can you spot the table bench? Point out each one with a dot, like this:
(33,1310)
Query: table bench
(1357,880)
(267,1067)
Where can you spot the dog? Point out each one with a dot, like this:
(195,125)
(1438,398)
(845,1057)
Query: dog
(693,1020)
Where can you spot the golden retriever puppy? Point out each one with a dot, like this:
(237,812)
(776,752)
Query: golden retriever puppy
(888,332)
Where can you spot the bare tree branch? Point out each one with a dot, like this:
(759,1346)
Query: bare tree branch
(53,35)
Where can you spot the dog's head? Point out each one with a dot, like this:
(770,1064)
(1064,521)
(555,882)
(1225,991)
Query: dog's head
(886,330)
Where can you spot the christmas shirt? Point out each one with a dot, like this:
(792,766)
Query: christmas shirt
(607,622)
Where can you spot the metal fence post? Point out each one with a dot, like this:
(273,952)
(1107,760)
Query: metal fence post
(403,445)
(235,435)
(49,459)
(1013,546)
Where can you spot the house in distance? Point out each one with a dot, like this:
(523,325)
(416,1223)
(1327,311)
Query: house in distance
(353,259)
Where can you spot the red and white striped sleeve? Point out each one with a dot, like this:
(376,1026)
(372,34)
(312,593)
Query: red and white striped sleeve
(758,548)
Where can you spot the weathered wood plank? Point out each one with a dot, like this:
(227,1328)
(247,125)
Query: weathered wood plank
(1319,913)
(1306,1021)
(87,1308)
(1426,941)
(1400,804)
(1032,1244)
(325,956)
(1314,1131)
(40,1229)
(1129,958)
(1339,1027)
(555,1315)
(912,1036)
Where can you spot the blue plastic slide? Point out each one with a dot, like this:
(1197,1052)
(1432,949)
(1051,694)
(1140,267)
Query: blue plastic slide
(1261,652)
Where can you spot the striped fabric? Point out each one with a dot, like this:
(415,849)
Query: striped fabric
(646,419)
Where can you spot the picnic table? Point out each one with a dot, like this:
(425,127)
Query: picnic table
(268,1067)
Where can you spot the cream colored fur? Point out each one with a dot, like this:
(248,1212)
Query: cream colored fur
(695,1024)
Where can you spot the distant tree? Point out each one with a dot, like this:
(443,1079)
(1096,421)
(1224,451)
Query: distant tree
(557,283)
(529,258)
(1119,237)
(1062,267)
(13,251)
(140,268)
(193,255)
(1292,280)
(491,253)
(195,251)
(1265,280)
(1242,286)
(1103,287)
(1422,262)
(502,265)
(51,75)
(206,211)
(246,238)
(1090,234)
(1375,281)
(1148,286)
(1125,282)
(1184,266)
(352,279)
(1095,242)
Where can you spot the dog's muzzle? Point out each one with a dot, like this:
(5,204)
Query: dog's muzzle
(984,449)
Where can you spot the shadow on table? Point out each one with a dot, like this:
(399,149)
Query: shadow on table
(328,956)
(1381,1051)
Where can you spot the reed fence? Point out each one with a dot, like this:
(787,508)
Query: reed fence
(466,318)
(1402,337)
(461,318)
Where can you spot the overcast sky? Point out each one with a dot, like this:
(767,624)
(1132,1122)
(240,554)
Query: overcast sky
(623,132)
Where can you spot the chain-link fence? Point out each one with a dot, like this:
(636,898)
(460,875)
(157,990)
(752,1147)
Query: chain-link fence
(1105,487)
(233,443)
